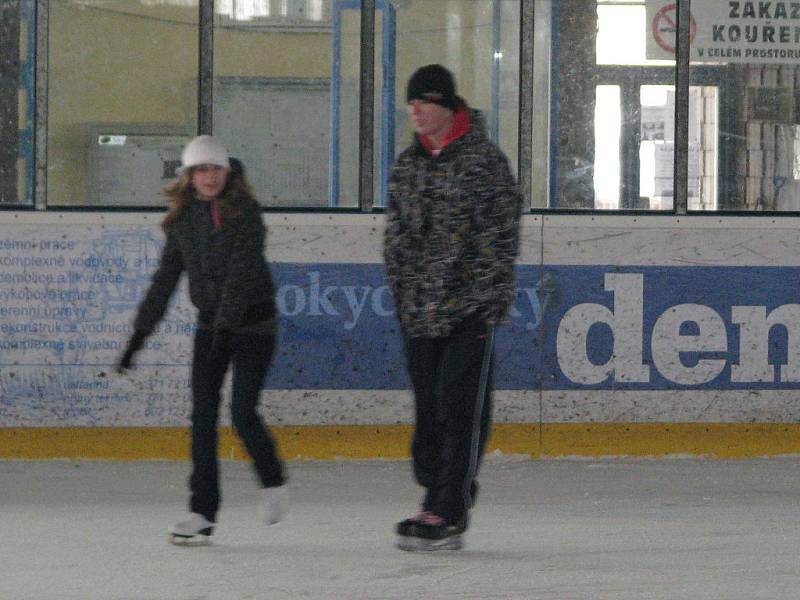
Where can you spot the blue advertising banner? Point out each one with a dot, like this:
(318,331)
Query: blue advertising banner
(572,327)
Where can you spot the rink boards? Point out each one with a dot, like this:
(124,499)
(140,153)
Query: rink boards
(629,335)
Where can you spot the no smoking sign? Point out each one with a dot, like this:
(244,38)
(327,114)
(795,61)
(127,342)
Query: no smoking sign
(665,28)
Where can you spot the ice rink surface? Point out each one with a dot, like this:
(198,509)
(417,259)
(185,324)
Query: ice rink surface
(615,529)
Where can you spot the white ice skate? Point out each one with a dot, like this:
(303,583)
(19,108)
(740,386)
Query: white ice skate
(195,530)
(276,503)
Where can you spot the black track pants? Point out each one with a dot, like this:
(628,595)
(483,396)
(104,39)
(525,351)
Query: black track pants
(250,356)
(452,381)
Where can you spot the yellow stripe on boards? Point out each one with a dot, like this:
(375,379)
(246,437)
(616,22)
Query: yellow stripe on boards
(720,440)
(172,443)
(325,442)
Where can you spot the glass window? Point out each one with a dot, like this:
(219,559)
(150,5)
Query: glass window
(657,147)
(603,114)
(624,34)
(122,98)
(286,97)
(477,40)
(608,129)
(17,98)
(745,59)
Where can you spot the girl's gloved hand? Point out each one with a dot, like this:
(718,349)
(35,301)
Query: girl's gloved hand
(134,345)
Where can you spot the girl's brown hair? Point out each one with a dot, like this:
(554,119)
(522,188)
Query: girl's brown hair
(235,193)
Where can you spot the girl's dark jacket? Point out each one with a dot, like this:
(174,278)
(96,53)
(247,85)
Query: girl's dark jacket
(452,233)
(229,279)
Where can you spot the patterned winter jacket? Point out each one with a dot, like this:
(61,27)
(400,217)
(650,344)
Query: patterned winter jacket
(452,234)
(229,279)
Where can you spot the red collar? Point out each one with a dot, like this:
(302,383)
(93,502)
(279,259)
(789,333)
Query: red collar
(461,126)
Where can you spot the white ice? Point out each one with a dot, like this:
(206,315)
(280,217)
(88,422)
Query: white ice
(616,529)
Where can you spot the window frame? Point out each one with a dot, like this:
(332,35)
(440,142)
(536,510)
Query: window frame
(630,79)
(367,203)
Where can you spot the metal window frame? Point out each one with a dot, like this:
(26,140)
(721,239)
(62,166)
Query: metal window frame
(28,82)
(366,109)
(205,68)
(630,80)
(40,118)
(38,193)
(525,119)
(19,18)
(681,161)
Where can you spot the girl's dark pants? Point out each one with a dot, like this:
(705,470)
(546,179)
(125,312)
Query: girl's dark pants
(452,381)
(250,356)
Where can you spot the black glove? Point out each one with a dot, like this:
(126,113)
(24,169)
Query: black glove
(134,345)
(220,347)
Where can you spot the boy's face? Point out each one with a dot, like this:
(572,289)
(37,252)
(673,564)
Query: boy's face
(430,119)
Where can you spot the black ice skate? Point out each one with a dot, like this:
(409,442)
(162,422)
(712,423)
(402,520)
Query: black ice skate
(432,532)
(404,528)
(195,530)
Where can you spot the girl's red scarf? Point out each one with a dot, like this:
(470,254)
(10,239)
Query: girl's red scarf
(215,216)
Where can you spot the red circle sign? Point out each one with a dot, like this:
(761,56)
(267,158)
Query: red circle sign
(665,27)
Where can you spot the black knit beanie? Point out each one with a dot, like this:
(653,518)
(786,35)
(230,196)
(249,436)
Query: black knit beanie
(433,83)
